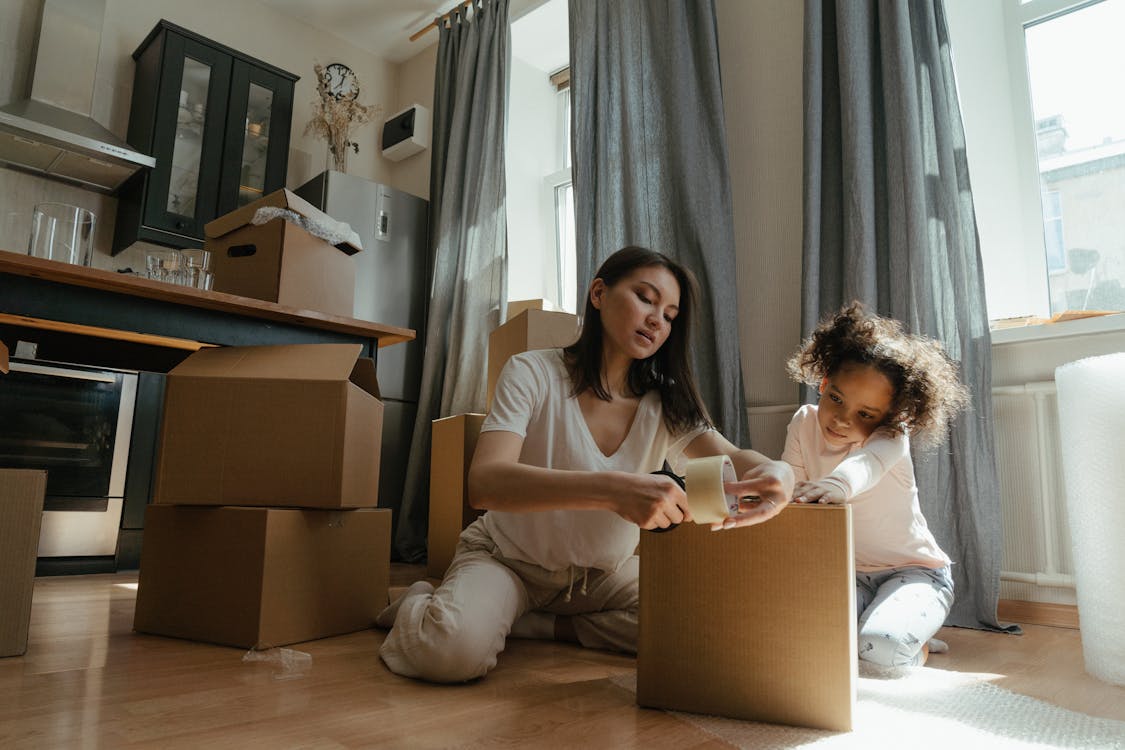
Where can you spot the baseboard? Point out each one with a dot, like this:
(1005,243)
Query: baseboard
(1038,613)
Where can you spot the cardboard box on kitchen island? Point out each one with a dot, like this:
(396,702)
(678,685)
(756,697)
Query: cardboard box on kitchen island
(261,577)
(281,262)
(294,426)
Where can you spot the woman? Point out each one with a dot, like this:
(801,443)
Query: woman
(564,468)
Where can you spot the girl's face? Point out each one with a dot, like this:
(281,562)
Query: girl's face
(637,312)
(854,401)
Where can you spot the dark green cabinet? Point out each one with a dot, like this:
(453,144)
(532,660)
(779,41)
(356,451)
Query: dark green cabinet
(216,121)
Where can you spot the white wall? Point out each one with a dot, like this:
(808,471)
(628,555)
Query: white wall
(761,52)
(250,27)
(530,155)
(415,85)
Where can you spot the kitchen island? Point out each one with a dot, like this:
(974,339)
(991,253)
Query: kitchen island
(62,298)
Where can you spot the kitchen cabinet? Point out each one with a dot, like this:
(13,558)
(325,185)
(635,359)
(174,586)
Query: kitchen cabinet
(216,121)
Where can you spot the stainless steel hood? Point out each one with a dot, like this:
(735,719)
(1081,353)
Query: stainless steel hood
(52,133)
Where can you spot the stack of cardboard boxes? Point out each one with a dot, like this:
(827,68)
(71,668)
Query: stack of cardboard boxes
(529,326)
(263,530)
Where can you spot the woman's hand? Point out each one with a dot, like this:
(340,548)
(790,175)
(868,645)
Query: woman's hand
(763,491)
(652,501)
(818,492)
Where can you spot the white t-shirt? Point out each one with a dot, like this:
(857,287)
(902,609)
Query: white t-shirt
(532,399)
(877,479)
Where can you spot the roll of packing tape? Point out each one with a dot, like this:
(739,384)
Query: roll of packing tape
(704,485)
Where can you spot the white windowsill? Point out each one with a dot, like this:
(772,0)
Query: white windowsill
(1082,327)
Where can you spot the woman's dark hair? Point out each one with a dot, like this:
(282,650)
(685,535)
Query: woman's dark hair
(927,391)
(668,370)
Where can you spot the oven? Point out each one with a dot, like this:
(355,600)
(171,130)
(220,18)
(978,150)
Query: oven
(76,422)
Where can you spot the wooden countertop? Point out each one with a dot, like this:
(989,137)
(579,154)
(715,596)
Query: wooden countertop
(111,281)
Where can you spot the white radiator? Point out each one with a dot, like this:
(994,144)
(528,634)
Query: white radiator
(1037,563)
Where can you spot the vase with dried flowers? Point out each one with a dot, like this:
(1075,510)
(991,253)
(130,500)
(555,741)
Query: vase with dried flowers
(338,111)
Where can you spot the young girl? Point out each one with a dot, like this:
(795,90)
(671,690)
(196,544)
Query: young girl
(563,466)
(879,388)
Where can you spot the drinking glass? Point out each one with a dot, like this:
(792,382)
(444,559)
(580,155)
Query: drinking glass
(62,232)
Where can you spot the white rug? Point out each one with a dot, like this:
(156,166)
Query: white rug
(921,707)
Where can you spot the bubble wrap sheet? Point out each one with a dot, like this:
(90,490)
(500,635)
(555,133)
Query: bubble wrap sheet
(1092,432)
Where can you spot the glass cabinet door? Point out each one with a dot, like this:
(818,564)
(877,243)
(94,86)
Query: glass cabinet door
(193,93)
(257,141)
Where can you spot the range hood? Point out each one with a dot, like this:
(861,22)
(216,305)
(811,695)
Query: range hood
(52,133)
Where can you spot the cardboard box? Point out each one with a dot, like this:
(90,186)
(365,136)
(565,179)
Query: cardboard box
(3,358)
(530,330)
(261,577)
(515,307)
(453,441)
(298,425)
(279,261)
(754,623)
(21,513)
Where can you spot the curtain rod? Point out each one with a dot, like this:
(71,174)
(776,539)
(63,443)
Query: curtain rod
(441,19)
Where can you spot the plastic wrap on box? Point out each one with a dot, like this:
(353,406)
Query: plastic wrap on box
(1091,404)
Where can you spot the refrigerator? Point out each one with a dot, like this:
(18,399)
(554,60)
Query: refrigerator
(391,287)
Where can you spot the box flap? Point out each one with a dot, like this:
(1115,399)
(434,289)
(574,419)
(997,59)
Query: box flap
(286,362)
(3,357)
(363,375)
(283,198)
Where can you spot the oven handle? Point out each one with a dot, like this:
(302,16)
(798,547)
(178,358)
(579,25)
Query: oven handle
(61,372)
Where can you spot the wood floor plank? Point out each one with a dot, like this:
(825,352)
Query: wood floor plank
(89,681)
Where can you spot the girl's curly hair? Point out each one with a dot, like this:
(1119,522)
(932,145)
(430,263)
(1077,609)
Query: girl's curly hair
(927,391)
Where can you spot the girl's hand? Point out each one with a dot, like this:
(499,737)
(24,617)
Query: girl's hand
(826,493)
(651,501)
(763,491)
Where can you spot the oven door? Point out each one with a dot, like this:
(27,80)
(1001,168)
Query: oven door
(75,422)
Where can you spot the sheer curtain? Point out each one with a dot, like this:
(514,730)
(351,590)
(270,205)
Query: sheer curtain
(889,220)
(468,238)
(650,165)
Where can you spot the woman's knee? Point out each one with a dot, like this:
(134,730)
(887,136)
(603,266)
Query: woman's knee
(438,645)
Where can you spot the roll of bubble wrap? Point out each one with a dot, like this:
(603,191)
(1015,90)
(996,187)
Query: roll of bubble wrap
(1091,402)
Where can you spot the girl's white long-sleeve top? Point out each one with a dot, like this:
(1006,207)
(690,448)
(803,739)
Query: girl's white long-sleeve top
(877,479)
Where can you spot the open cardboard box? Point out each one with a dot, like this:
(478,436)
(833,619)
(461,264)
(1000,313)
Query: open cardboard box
(21,513)
(754,623)
(279,261)
(261,577)
(453,440)
(297,425)
(529,330)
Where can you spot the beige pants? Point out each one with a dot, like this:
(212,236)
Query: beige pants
(456,633)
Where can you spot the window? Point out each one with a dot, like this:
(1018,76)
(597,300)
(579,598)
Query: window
(1046,149)
(562,186)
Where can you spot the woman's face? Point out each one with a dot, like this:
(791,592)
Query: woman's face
(637,312)
(854,401)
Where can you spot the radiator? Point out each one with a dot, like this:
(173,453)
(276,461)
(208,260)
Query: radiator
(1037,564)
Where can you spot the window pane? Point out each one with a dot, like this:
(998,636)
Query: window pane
(1076,69)
(567,257)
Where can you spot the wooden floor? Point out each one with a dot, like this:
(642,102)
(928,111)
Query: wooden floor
(88,681)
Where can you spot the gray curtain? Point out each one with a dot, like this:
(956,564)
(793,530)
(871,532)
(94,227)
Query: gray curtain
(468,238)
(650,165)
(889,220)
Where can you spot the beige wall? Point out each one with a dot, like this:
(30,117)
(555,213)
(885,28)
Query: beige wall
(249,27)
(760,49)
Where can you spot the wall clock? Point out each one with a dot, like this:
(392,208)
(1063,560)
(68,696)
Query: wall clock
(340,81)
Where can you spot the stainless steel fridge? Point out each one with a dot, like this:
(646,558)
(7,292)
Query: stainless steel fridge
(391,287)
